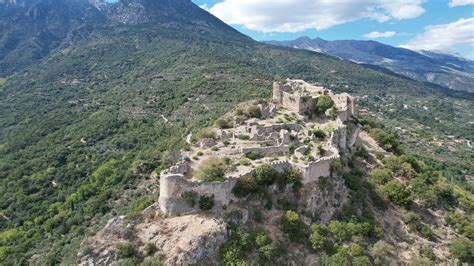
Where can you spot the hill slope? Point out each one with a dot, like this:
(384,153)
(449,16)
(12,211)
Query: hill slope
(443,69)
(82,125)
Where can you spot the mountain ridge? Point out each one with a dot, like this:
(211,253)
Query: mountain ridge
(443,69)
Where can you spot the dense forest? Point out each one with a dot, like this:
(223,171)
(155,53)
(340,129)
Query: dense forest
(83,126)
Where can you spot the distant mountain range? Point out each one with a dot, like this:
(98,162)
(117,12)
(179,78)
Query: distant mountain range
(443,69)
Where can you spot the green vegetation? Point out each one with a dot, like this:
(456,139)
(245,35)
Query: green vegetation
(239,248)
(243,136)
(319,133)
(292,225)
(463,249)
(254,155)
(211,170)
(323,104)
(2,82)
(207,133)
(253,112)
(126,250)
(222,123)
(190,197)
(206,203)
(130,76)
(265,176)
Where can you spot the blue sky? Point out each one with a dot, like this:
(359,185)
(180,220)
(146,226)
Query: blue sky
(444,25)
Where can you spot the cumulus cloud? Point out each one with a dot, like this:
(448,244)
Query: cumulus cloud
(443,37)
(376,34)
(453,3)
(300,15)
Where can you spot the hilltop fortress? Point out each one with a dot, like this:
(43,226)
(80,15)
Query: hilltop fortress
(289,132)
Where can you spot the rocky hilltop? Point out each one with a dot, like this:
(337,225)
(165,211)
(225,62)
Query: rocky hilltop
(273,168)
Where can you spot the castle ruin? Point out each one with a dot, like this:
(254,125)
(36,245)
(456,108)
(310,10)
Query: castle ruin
(283,137)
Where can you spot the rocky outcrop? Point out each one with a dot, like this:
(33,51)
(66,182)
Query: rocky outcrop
(324,197)
(191,239)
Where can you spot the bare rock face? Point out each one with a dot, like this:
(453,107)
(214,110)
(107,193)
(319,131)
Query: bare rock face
(191,239)
(325,197)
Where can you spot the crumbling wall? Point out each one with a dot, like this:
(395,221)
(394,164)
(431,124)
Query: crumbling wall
(174,186)
(339,135)
(316,169)
(280,166)
(268,151)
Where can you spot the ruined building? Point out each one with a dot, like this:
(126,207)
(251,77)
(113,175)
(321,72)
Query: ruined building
(282,137)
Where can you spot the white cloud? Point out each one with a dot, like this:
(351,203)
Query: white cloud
(453,3)
(300,15)
(444,37)
(376,34)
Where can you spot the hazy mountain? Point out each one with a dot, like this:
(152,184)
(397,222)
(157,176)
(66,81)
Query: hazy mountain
(94,97)
(443,69)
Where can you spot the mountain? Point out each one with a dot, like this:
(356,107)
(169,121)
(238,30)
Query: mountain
(96,97)
(446,70)
(31,29)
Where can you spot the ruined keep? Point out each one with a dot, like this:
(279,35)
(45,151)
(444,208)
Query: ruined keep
(278,142)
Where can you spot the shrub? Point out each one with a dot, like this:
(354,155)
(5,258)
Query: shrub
(333,113)
(245,186)
(426,231)
(254,111)
(126,250)
(387,141)
(222,123)
(243,137)
(206,203)
(319,133)
(356,250)
(319,150)
(150,249)
(323,103)
(412,220)
(339,230)
(293,226)
(200,153)
(398,193)
(462,249)
(253,155)
(265,175)
(207,133)
(211,170)
(244,161)
(380,176)
(190,198)
(361,261)
(214,148)
(318,238)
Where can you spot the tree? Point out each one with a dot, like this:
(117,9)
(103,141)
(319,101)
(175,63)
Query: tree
(323,103)
(265,175)
(293,226)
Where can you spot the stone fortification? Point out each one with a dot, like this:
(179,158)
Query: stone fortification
(282,146)
(175,187)
(301,97)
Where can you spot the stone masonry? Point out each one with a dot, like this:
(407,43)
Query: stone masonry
(280,145)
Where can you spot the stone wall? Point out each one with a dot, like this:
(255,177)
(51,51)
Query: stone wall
(316,169)
(174,186)
(269,151)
